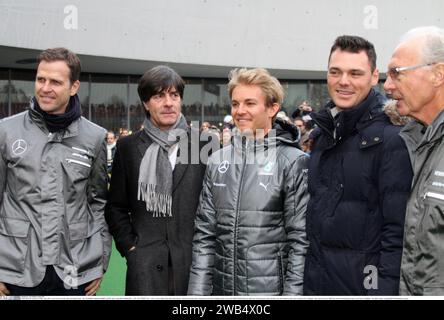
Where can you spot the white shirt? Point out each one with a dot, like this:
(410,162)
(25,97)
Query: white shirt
(172,155)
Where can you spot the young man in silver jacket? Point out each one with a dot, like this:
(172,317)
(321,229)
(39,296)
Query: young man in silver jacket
(53,185)
(250,225)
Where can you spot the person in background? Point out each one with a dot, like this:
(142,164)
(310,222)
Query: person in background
(205,126)
(110,149)
(123,132)
(303,110)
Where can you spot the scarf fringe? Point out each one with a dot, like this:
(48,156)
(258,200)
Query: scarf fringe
(159,204)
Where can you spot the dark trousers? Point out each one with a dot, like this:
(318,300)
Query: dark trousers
(51,285)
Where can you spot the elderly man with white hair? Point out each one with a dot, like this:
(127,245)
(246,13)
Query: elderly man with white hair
(415,78)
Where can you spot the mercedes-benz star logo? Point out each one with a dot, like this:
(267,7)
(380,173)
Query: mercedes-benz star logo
(19,147)
(223,167)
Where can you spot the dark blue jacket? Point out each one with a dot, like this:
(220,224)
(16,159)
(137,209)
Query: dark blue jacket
(359,181)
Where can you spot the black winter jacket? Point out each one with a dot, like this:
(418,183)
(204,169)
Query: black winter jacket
(359,181)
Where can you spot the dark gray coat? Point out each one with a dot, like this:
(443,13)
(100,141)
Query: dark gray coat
(155,238)
(52,196)
(422,266)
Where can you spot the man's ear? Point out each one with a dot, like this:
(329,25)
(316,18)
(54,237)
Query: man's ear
(375,77)
(438,74)
(273,109)
(74,88)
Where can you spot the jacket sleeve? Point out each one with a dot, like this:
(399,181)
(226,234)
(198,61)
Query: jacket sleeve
(201,272)
(395,176)
(295,208)
(118,208)
(97,192)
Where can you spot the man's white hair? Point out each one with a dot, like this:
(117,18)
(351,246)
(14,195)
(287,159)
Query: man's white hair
(432,50)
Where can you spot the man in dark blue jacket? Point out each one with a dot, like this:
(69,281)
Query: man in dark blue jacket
(359,180)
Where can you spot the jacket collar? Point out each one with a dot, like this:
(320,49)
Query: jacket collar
(71,131)
(349,121)
(417,135)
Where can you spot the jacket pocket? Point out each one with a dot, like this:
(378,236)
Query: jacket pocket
(13,245)
(264,269)
(77,169)
(86,245)
(430,238)
(433,291)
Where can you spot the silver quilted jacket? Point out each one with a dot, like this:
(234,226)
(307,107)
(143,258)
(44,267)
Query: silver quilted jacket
(250,225)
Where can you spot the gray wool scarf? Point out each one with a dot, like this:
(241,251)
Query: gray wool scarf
(155,172)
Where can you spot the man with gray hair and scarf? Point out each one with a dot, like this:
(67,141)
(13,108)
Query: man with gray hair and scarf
(154,191)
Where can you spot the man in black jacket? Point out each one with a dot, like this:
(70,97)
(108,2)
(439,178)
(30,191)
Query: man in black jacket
(153,197)
(359,180)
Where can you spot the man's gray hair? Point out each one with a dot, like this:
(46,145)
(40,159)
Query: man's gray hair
(433,48)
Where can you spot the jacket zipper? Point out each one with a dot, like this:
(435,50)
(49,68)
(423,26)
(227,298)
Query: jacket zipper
(244,161)
(81,150)
(79,162)
(80,156)
(281,273)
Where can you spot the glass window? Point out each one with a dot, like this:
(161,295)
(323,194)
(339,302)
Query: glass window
(22,89)
(192,98)
(4,84)
(83,94)
(137,110)
(295,94)
(318,95)
(216,101)
(108,100)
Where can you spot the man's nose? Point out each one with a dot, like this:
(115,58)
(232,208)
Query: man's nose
(46,86)
(344,79)
(169,99)
(388,84)
(241,108)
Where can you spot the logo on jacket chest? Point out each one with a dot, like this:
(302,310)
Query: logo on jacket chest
(267,169)
(19,147)
(223,167)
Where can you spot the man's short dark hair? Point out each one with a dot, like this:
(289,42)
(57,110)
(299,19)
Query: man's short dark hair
(63,54)
(355,44)
(158,79)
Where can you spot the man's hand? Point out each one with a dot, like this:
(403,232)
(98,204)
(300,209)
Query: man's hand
(93,287)
(3,290)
